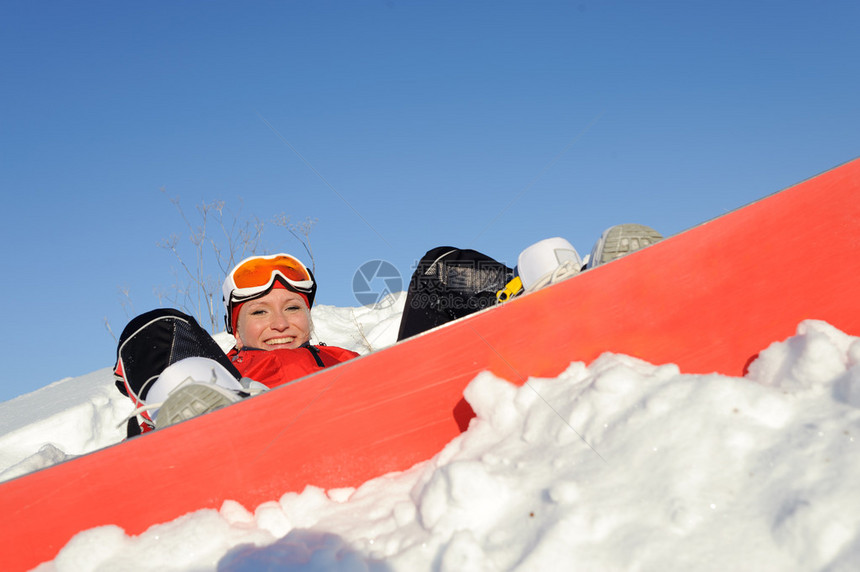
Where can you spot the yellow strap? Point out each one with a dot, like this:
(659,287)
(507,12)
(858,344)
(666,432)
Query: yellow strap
(510,290)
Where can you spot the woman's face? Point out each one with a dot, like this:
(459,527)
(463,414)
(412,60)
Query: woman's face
(280,319)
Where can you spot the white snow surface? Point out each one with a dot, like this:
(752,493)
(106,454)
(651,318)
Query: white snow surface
(614,465)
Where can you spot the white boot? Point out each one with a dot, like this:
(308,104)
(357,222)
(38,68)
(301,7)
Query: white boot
(548,261)
(191,387)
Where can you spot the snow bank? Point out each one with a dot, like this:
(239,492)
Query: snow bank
(618,465)
(67,418)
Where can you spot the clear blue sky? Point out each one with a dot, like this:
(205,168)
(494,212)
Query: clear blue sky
(487,125)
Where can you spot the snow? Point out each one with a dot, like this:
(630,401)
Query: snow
(614,465)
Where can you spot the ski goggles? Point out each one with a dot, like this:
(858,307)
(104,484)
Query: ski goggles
(256,275)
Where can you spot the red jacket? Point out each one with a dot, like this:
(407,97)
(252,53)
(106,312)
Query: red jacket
(277,367)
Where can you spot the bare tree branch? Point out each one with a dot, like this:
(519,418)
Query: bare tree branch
(212,245)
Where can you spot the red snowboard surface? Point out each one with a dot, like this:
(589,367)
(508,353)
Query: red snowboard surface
(707,299)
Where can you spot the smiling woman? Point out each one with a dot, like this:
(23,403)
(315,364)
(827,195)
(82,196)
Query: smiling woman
(268,301)
(172,369)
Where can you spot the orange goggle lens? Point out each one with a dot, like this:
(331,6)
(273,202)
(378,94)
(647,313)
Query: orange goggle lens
(258,272)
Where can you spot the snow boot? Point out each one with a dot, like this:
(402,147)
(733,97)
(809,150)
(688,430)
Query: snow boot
(546,262)
(149,344)
(621,239)
(191,387)
(447,284)
(193,399)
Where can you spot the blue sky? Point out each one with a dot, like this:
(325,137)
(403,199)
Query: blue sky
(398,126)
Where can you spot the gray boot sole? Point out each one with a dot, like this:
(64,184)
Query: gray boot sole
(622,239)
(192,400)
